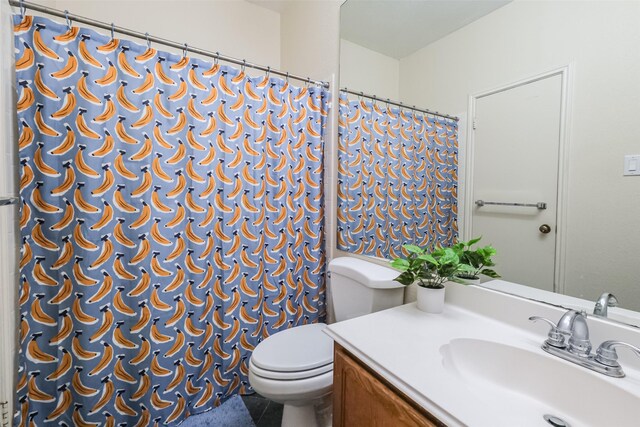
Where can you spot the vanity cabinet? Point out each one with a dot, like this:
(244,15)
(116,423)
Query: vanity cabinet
(361,398)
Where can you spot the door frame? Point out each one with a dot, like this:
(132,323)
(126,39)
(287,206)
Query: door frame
(565,72)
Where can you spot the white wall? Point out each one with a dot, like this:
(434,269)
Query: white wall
(365,70)
(232,27)
(600,39)
(309,37)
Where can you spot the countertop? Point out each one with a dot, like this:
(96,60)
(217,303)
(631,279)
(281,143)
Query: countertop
(405,346)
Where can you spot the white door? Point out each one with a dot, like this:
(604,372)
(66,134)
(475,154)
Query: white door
(515,160)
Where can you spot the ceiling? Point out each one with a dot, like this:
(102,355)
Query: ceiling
(397,28)
(275,5)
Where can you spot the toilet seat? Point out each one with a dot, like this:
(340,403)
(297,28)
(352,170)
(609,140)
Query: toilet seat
(297,353)
(292,392)
(293,375)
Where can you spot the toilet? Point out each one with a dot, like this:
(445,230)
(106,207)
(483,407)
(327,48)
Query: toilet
(295,366)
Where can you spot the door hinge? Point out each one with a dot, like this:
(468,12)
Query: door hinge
(5,413)
(475,123)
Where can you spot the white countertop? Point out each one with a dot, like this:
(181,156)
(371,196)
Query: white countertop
(404,346)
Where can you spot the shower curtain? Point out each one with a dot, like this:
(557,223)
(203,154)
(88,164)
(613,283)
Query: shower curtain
(171,219)
(397,179)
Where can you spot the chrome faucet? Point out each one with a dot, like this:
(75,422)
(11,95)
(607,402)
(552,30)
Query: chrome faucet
(569,340)
(605,301)
(574,324)
(571,333)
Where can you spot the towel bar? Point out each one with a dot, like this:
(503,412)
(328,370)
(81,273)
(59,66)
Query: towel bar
(539,205)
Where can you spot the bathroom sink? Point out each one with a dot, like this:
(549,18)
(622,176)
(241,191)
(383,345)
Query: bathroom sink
(536,384)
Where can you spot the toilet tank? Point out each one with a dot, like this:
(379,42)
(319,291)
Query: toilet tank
(359,287)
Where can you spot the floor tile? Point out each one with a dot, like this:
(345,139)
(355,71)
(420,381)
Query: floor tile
(256,405)
(272,416)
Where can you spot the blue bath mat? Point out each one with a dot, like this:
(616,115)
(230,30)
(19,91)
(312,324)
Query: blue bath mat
(232,413)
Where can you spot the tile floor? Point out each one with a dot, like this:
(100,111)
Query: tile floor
(264,412)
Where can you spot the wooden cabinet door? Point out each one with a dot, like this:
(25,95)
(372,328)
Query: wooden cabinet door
(361,399)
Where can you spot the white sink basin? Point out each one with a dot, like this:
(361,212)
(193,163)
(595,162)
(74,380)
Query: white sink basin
(535,383)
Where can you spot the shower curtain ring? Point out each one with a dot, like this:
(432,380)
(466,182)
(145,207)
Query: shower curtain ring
(184,50)
(244,64)
(23,9)
(268,72)
(216,58)
(287,78)
(113,31)
(146,36)
(66,15)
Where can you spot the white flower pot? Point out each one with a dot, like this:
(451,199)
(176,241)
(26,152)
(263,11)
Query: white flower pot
(430,300)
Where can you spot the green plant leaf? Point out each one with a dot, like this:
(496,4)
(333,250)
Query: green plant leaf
(413,249)
(400,264)
(406,278)
(474,241)
(490,273)
(428,258)
(488,251)
(465,268)
(438,252)
(459,246)
(449,257)
(472,258)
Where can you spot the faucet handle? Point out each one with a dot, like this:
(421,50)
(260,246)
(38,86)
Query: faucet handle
(555,338)
(607,355)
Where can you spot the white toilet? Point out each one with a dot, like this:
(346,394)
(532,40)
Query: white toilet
(295,366)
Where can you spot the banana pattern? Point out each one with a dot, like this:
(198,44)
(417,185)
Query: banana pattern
(397,179)
(171,219)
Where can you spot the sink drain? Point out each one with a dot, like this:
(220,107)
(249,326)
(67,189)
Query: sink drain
(555,421)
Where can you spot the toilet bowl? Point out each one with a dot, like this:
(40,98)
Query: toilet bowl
(295,366)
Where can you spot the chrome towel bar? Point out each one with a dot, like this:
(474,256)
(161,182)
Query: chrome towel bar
(4,201)
(539,205)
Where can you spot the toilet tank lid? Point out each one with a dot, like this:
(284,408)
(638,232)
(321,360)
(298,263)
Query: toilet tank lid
(364,272)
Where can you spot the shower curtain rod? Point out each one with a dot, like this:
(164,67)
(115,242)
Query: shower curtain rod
(399,104)
(159,40)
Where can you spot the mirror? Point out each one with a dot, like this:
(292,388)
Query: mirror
(546,152)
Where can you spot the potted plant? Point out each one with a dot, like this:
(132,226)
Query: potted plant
(429,271)
(478,259)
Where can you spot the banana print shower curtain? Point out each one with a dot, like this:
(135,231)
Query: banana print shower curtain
(171,218)
(397,179)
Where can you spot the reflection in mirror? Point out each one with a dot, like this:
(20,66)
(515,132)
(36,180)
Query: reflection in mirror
(548,96)
(397,178)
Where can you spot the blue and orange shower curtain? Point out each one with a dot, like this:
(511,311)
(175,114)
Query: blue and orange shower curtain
(171,219)
(397,179)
